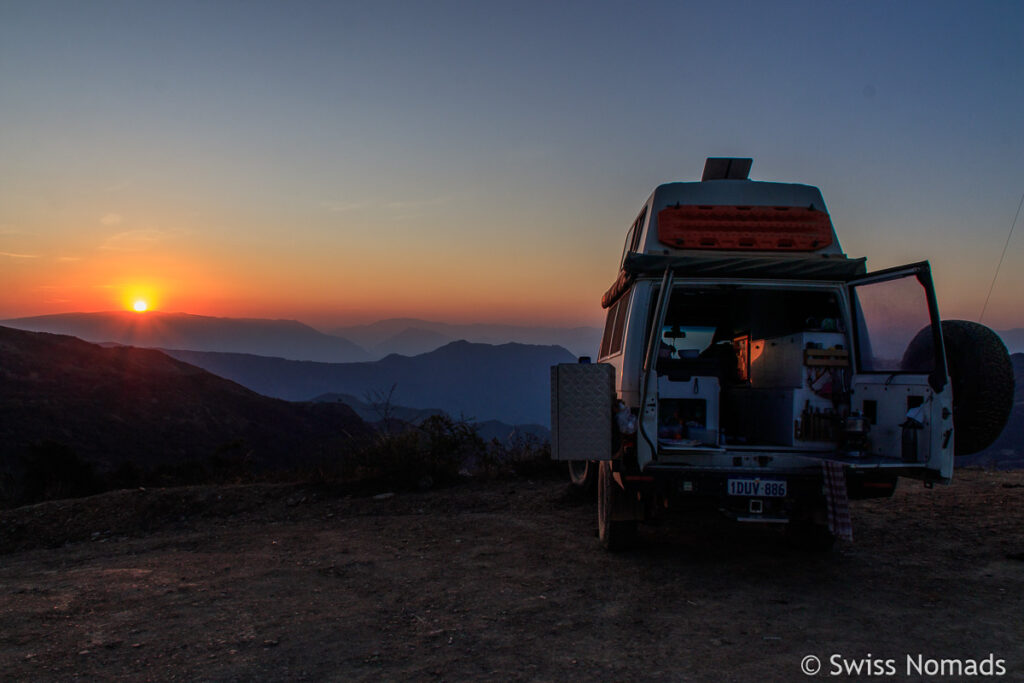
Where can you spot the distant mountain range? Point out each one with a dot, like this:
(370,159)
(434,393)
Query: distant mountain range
(120,405)
(411,336)
(509,382)
(279,338)
(293,340)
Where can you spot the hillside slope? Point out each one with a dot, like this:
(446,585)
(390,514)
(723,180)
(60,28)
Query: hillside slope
(127,405)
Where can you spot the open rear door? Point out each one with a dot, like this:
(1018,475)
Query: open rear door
(900,383)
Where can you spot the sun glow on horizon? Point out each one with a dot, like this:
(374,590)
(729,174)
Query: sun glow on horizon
(139,298)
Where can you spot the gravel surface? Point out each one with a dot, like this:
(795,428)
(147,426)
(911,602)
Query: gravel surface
(497,580)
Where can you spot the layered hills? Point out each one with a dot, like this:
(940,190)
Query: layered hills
(508,382)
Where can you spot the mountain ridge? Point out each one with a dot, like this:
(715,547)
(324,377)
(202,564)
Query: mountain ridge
(155,329)
(293,339)
(507,382)
(394,334)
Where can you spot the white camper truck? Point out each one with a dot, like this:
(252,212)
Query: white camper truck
(743,349)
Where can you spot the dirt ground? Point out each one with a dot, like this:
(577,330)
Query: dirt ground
(499,580)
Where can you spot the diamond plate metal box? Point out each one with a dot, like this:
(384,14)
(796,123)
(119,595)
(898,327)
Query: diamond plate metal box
(582,399)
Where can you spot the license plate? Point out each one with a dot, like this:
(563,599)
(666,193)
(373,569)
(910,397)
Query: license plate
(758,488)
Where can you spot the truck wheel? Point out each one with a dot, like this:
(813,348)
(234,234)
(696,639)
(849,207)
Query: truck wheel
(583,474)
(982,377)
(615,535)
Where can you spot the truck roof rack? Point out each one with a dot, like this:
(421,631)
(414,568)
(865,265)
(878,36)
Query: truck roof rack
(836,268)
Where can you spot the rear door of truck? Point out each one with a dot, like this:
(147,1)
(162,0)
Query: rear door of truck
(900,384)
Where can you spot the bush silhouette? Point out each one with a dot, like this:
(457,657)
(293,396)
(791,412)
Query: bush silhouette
(53,470)
(417,456)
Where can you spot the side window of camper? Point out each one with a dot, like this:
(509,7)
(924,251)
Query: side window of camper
(609,325)
(638,229)
(633,236)
(621,309)
(611,342)
(627,245)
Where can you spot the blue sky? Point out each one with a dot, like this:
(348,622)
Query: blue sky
(339,162)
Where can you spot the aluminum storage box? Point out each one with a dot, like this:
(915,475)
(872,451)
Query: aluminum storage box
(582,399)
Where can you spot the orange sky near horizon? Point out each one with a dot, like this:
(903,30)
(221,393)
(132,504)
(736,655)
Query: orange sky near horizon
(338,284)
(326,285)
(272,160)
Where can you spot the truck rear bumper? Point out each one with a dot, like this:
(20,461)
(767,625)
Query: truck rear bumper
(741,493)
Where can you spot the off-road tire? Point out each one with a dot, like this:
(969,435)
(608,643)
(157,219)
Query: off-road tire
(583,475)
(982,377)
(614,535)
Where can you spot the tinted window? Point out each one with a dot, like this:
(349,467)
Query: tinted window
(621,309)
(894,326)
(611,342)
(609,325)
(633,236)
(638,228)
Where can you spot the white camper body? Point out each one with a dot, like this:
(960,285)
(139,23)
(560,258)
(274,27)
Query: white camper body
(743,349)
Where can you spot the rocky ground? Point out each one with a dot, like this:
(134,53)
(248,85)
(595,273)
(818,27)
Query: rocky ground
(496,580)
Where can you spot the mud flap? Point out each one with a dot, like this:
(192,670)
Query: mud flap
(627,505)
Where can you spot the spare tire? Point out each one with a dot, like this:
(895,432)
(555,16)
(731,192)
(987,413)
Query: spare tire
(982,377)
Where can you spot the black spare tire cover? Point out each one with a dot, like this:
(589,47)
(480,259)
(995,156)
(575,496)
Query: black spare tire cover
(982,377)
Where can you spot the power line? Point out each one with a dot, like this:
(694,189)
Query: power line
(1001,256)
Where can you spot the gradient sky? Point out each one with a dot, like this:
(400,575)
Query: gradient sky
(345,162)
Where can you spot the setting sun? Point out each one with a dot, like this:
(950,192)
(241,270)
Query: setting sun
(139,298)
